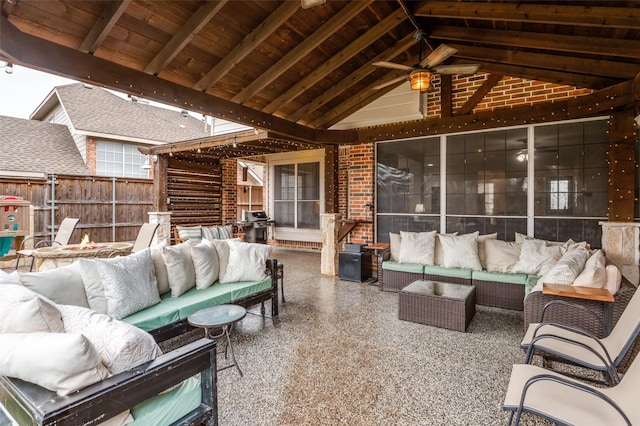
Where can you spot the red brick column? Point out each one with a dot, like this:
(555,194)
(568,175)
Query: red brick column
(229,190)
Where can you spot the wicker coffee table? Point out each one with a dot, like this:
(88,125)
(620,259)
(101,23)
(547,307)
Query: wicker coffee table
(438,304)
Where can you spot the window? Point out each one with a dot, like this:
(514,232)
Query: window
(296,198)
(119,159)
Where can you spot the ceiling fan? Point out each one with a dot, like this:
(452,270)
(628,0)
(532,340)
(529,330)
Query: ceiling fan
(420,75)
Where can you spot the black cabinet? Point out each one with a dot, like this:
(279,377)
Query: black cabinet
(354,266)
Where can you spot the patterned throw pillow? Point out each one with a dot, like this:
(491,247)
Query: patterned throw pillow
(217,232)
(190,232)
(129,283)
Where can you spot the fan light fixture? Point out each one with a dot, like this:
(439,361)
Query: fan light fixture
(420,80)
(306,4)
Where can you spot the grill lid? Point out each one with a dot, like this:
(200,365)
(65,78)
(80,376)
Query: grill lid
(255,216)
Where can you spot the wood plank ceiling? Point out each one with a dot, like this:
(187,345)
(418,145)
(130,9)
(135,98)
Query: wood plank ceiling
(295,72)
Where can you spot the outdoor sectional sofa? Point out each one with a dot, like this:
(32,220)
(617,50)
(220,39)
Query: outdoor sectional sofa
(146,299)
(507,274)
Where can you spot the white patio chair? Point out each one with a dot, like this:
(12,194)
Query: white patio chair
(567,401)
(145,236)
(573,345)
(62,237)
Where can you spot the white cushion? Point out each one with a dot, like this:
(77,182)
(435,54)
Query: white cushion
(222,249)
(160,268)
(536,258)
(594,273)
(31,316)
(394,243)
(12,278)
(482,251)
(461,251)
(93,285)
(417,247)
(62,285)
(60,362)
(121,346)
(438,253)
(567,268)
(180,270)
(614,279)
(129,283)
(501,256)
(247,262)
(205,263)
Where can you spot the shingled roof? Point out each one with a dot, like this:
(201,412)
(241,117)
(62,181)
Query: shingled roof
(35,146)
(97,111)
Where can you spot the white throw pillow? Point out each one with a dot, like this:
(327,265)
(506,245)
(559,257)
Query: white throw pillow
(62,285)
(247,262)
(394,243)
(417,247)
(536,258)
(438,253)
(60,362)
(501,256)
(31,316)
(205,263)
(129,283)
(461,251)
(180,270)
(93,285)
(160,268)
(614,279)
(12,278)
(567,268)
(121,346)
(594,273)
(222,249)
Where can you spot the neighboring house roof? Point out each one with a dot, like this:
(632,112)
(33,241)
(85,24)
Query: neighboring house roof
(96,111)
(34,146)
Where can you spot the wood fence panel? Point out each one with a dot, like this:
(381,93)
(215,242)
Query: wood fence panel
(89,198)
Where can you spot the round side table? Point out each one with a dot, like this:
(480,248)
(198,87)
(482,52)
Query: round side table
(215,317)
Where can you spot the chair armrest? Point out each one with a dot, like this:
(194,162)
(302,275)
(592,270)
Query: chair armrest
(385,256)
(103,400)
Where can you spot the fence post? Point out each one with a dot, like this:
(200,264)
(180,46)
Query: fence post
(53,206)
(113,209)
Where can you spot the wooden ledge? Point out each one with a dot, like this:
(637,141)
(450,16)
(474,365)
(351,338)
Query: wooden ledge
(588,293)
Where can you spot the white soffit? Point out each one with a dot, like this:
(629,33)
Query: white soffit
(400,104)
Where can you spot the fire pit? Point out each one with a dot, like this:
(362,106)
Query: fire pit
(57,256)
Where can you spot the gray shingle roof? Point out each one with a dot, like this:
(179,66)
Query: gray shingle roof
(93,109)
(35,146)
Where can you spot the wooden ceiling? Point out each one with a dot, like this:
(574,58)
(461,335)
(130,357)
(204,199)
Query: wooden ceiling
(295,72)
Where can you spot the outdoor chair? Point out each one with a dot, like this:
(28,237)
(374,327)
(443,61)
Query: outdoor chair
(62,238)
(145,236)
(576,346)
(567,401)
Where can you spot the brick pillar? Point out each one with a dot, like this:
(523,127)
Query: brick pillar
(229,190)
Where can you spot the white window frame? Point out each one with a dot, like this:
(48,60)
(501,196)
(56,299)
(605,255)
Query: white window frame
(289,233)
(122,146)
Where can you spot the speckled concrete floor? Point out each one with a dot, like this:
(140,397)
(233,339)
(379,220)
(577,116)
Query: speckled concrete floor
(338,354)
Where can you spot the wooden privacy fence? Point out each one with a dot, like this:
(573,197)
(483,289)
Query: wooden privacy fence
(109,209)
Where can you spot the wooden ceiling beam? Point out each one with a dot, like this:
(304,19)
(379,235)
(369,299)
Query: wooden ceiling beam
(540,41)
(44,55)
(248,44)
(185,34)
(378,30)
(573,65)
(601,102)
(303,49)
(486,87)
(592,16)
(103,26)
(353,78)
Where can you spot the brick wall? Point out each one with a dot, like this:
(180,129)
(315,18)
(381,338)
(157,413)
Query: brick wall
(229,190)
(357,184)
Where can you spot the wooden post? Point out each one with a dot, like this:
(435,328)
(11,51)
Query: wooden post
(331,178)
(621,166)
(160,183)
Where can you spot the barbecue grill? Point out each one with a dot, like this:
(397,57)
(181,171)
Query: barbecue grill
(255,225)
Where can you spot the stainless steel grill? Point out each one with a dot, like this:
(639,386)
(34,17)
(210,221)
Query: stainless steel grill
(255,225)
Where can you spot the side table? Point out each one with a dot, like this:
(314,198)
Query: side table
(216,317)
(378,251)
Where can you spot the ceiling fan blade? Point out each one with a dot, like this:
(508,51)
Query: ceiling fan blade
(389,83)
(462,69)
(441,53)
(393,65)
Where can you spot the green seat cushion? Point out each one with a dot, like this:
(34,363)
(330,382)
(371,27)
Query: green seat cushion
(172,309)
(532,280)
(500,277)
(448,272)
(391,265)
(166,408)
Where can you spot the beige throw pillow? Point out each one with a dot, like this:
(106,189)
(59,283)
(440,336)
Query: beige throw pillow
(31,316)
(501,256)
(180,269)
(567,268)
(93,285)
(61,285)
(482,251)
(394,243)
(438,254)
(461,251)
(247,262)
(536,258)
(205,263)
(160,268)
(614,279)
(417,247)
(594,273)
(60,362)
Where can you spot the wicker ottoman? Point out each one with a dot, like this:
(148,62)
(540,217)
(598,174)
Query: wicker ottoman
(438,304)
